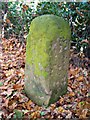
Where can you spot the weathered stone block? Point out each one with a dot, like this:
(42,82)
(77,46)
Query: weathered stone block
(47,59)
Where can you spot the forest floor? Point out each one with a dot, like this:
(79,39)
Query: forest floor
(15,104)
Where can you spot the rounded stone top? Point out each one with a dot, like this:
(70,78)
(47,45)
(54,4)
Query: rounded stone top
(51,26)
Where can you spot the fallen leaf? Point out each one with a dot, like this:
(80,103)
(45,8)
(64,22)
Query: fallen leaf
(60,109)
(83,114)
(35,115)
(71,94)
(61,100)
(80,78)
(6,102)
(74,72)
(8,21)
(9,72)
(3,87)
(25,7)
(28,104)
(13,106)
(17,87)
(52,106)
(69,115)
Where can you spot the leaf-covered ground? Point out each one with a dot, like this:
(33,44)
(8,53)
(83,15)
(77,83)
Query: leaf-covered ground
(15,104)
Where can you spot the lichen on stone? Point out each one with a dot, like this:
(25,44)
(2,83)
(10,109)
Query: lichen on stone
(43,31)
(48,43)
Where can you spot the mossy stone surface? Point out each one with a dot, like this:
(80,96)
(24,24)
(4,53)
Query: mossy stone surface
(47,59)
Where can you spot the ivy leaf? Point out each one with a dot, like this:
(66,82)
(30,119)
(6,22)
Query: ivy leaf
(42,113)
(1,84)
(18,114)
